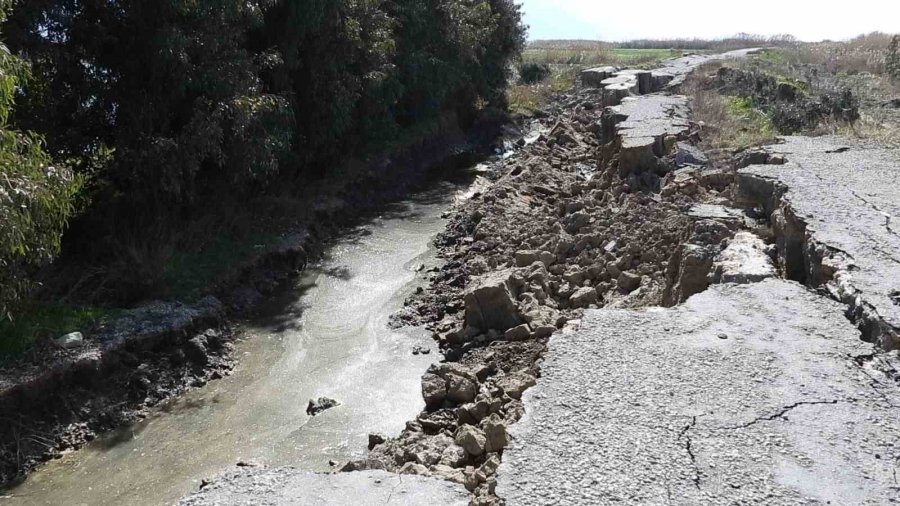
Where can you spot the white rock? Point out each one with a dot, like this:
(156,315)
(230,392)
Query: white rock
(70,341)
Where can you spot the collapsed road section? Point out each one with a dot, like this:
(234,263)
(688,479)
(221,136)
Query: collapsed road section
(617,326)
(596,212)
(833,207)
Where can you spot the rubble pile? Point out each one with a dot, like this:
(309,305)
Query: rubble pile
(596,213)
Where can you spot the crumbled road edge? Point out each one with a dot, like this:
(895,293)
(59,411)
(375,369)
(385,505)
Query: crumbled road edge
(600,211)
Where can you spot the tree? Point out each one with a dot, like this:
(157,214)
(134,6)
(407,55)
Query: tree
(36,196)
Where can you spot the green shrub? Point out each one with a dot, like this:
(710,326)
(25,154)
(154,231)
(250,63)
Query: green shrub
(533,73)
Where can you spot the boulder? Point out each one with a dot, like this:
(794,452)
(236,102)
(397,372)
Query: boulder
(70,341)
(195,350)
(434,389)
(686,154)
(471,439)
(414,469)
(543,331)
(520,333)
(448,473)
(495,431)
(460,389)
(515,383)
(583,297)
(525,258)
(629,282)
(453,456)
(489,305)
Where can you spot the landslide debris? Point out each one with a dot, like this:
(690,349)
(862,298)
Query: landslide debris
(597,212)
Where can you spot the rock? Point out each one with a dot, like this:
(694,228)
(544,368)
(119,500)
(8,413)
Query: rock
(448,473)
(583,297)
(547,258)
(543,331)
(688,273)
(495,431)
(490,304)
(471,439)
(752,156)
(319,405)
(70,341)
(453,456)
(613,270)
(375,440)
(744,261)
(629,282)
(414,469)
(526,257)
(434,389)
(515,384)
(471,478)
(460,390)
(490,466)
(686,154)
(195,350)
(520,333)
(576,221)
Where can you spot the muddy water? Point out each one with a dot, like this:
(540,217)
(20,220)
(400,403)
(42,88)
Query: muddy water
(328,337)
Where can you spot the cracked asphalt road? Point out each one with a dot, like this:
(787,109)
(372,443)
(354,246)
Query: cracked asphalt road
(849,197)
(747,394)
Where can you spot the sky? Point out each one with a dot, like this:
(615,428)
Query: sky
(632,19)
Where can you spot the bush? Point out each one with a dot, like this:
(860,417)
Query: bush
(892,60)
(36,197)
(533,73)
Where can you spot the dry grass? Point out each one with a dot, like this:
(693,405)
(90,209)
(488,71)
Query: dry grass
(528,98)
(882,131)
(599,55)
(729,123)
(858,65)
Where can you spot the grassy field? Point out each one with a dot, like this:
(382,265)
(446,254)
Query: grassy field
(587,56)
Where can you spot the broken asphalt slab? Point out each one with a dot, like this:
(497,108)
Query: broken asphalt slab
(835,209)
(746,394)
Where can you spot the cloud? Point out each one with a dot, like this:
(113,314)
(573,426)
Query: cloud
(808,20)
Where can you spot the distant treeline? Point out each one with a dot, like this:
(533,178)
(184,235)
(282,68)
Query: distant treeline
(740,41)
(152,109)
